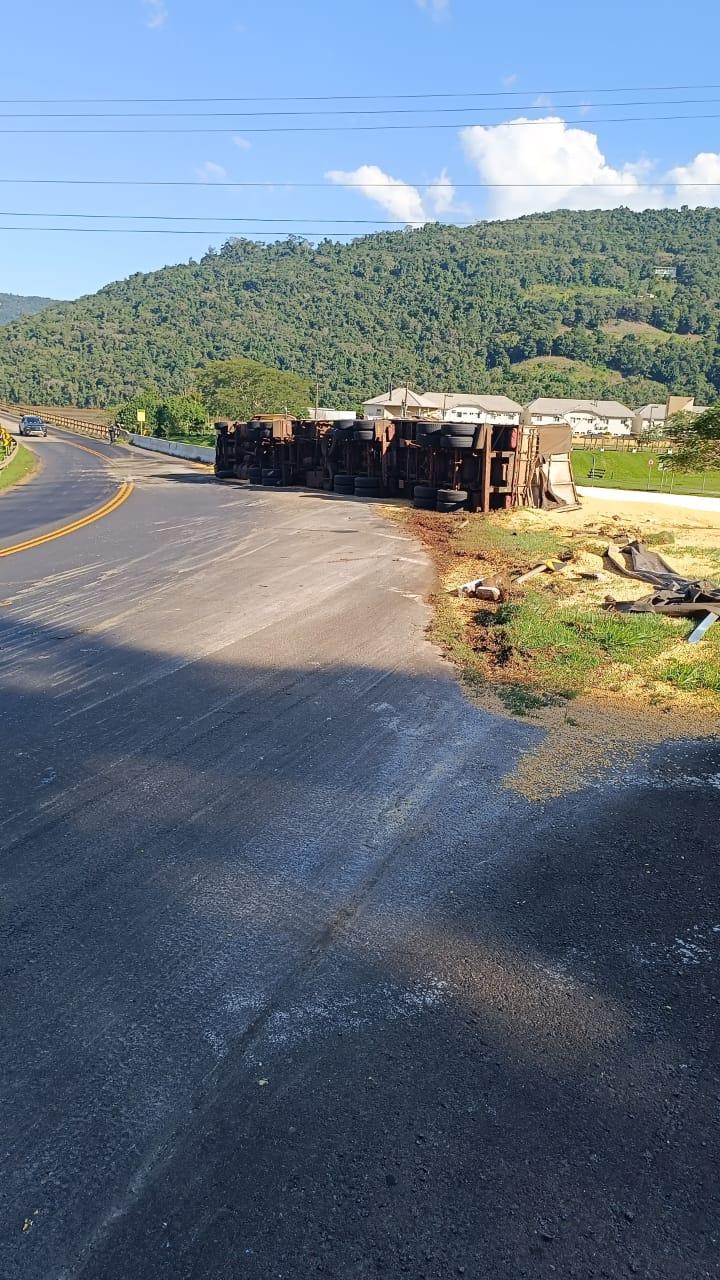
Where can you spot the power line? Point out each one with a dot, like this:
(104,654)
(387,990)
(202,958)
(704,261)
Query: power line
(355,128)
(184,231)
(195,218)
(351,186)
(349,111)
(368,97)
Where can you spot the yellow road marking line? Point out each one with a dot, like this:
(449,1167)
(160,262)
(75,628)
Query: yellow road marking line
(74,445)
(116,501)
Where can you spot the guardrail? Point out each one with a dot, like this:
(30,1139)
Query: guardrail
(174,448)
(97,429)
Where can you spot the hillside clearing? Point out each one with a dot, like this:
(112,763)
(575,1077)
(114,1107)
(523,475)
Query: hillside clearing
(641,329)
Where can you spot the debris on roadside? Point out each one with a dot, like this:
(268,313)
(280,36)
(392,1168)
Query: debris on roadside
(546,566)
(482,589)
(676,597)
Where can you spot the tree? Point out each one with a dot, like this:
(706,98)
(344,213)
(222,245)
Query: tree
(698,439)
(243,389)
(164,415)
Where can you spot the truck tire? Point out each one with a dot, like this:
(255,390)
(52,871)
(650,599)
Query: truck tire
(457,442)
(428,436)
(459,428)
(447,507)
(424,504)
(452,495)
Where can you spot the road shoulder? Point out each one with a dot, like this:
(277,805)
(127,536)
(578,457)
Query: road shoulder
(23,467)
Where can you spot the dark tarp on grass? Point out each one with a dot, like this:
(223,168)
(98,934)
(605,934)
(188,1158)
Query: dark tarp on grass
(676,596)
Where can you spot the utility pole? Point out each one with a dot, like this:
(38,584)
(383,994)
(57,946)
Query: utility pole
(317,394)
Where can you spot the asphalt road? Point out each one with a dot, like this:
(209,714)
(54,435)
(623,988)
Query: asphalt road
(291,984)
(72,480)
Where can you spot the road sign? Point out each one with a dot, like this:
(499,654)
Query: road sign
(651,462)
(141,416)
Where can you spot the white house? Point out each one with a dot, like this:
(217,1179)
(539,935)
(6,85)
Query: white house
(586,417)
(330,415)
(649,418)
(445,406)
(401,402)
(652,416)
(458,406)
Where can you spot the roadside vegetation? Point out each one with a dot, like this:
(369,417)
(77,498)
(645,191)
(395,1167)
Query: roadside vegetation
(601,685)
(237,389)
(552,640)
(21,466)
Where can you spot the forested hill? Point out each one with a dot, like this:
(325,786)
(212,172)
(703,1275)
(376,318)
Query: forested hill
(561,302)
(13,305)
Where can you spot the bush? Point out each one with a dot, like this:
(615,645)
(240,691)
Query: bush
(164,415)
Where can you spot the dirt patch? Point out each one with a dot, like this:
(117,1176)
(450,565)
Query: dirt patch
(602,685)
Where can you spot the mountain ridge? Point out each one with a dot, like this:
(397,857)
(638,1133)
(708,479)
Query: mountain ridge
(14,305)
(439,306)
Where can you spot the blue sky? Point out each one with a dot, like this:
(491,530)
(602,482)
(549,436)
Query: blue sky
(235,48)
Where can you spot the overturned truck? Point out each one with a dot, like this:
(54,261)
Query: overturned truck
(442,466)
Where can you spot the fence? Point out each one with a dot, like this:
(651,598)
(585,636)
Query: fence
(97,429)
(621,444)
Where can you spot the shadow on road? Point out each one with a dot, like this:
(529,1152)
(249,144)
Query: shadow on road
(292,987)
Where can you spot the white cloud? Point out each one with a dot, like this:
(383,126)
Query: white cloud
(509,81)
(551,151)
(211,172)
(437,9)
(704,168)
(157,14)
(440,195)
(243,143)
(393,195)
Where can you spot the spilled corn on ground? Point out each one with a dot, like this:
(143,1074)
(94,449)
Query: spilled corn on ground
(601,684)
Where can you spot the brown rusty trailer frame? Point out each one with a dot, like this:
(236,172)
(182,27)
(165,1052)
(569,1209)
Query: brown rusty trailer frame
(495,470)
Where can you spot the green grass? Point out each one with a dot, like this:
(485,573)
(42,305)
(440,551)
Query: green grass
(520,549)
(696,676)
(521,700)
(202,437)
(22,464)
(534,650)
(562,648)
(700,672)
(631,471)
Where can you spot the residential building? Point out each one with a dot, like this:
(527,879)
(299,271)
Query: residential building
(653,416)
(684,404)
(460,407)
(446,406)
(586,417)
(330,415)
(649,418)
(401,402)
